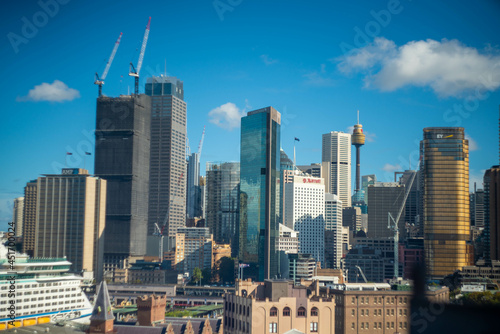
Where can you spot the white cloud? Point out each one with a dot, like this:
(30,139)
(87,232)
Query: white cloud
(57,91)
(473,146)
(227,116)
(391,168)
(448,67)
(268,60)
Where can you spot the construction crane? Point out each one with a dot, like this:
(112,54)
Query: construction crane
(100,80)
(200,146)
(362,274)
(395,222)
(134,71)
(158,232)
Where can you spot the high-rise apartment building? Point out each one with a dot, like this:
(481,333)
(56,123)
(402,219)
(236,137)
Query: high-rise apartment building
(70,219)
(445,169)
(223,202)
(333,231)
(385,198)
(167,182)
(336,165)
(122,158)
(193,249)
(17,215)
(260,191)
(29,218)
(305,213)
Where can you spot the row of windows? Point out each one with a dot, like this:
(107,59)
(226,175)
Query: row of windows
(378,325)
(378,300)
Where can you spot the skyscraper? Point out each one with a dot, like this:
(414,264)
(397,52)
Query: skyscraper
(122,158)
(445,169)
(70,219)
(259,192)
(336,163)
(193,203)
(492,213)
(223,202)
(305,213)
(385,198)
(29,217)
(167,191)
(333,231)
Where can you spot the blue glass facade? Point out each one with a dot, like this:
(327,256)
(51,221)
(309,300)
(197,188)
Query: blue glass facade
(260,191)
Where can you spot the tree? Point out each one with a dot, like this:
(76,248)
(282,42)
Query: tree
(197,275)
(226,269)
(206,276)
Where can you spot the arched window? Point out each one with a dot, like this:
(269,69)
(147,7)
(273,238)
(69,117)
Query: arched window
(286,312)
(314,312)
(301,312)
(273,312)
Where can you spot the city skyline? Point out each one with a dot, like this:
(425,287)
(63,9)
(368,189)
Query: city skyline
(309,76)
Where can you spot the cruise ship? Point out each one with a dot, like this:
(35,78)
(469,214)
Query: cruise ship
(44,292)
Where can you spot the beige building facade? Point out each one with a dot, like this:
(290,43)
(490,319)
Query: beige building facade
(276,307)
(69,219)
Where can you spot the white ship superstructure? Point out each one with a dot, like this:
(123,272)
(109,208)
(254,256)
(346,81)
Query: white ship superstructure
(41,291)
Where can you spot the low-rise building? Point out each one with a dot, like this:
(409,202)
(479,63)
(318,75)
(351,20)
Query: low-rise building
(277,306)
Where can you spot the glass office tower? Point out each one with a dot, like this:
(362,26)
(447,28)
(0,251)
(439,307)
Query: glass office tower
(259,192)
(445,168)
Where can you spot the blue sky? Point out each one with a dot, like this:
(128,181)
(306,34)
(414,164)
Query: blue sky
(404,64)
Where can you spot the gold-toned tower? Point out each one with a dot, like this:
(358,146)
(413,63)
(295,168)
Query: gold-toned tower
(445,167)
(358,140)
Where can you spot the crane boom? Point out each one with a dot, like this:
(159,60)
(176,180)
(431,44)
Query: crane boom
(143,47)
(395,227)
(108,65)
(134,71)
(362,274)
(201,142)
(100,81)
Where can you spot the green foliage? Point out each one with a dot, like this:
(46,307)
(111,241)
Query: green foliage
(226,269)
(197,275)
(482,298)
(179,314)
(206,276)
